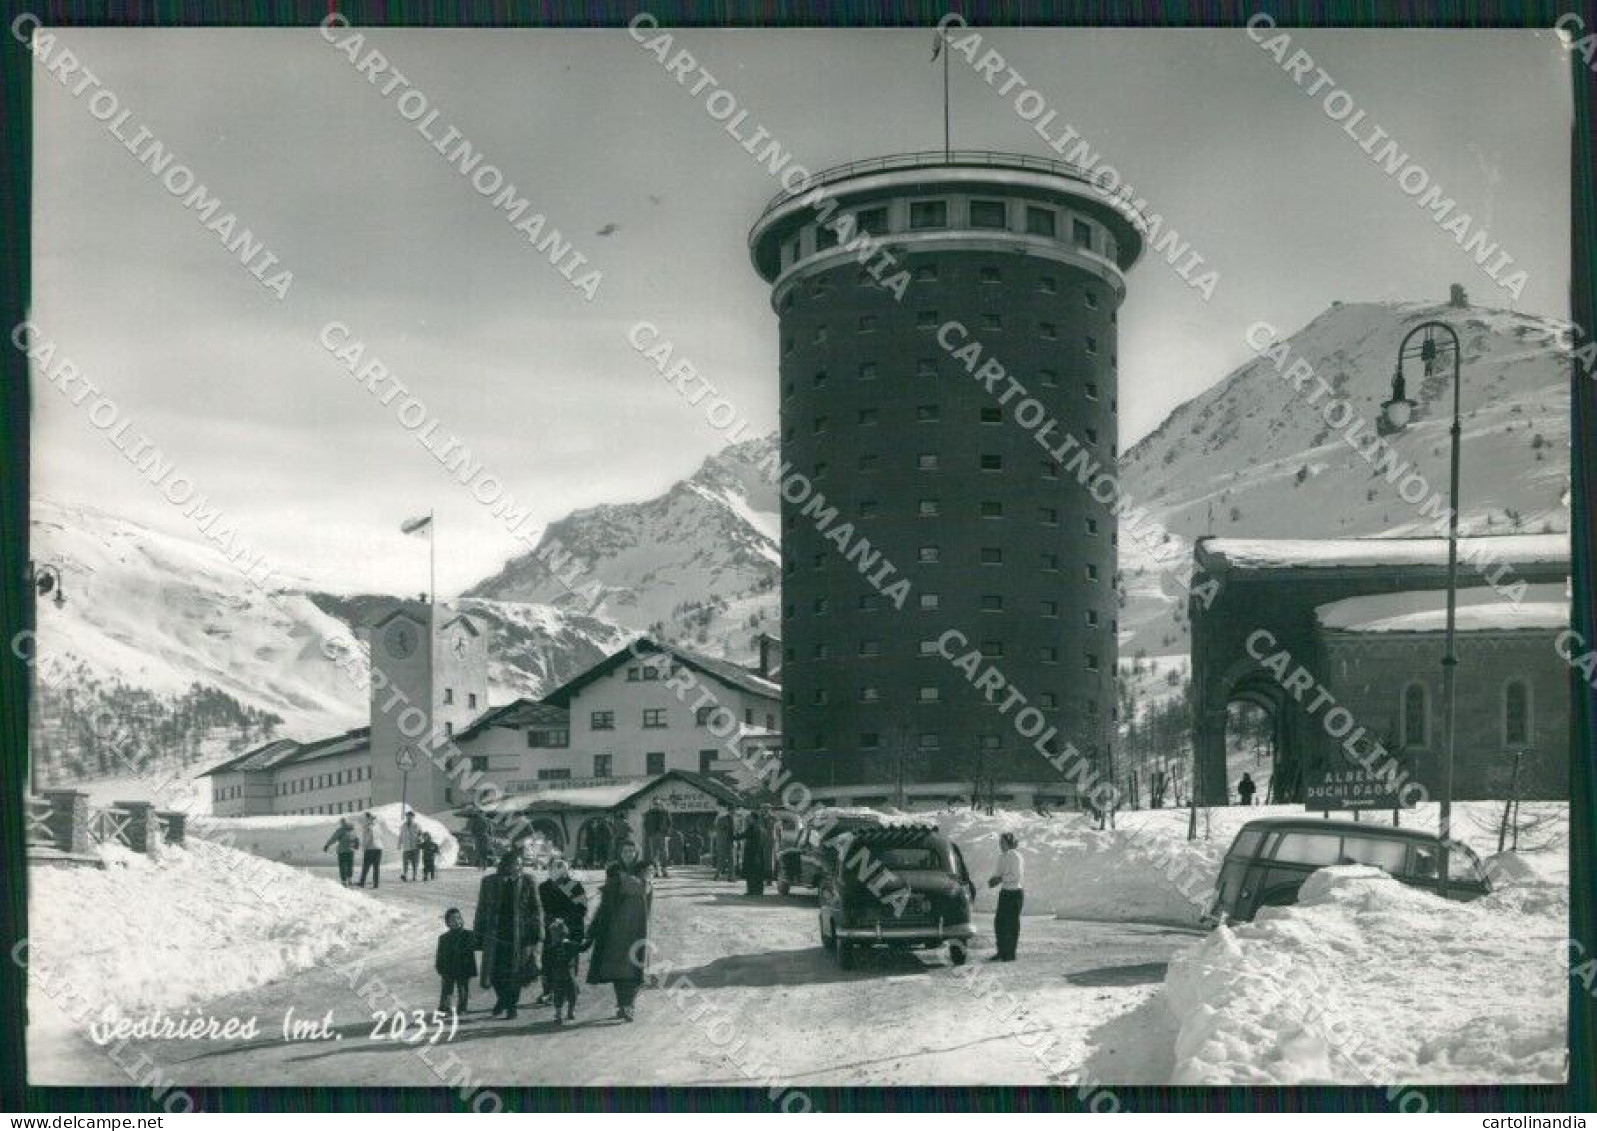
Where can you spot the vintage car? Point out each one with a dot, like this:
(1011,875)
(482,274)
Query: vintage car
(1271,857)
(802,863)
(897,886)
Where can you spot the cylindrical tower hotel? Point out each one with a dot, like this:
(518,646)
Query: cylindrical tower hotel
(950,476)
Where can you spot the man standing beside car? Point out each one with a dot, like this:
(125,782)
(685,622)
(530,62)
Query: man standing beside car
(1010,882)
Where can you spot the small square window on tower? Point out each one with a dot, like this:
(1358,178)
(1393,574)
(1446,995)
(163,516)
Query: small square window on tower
(989,214)
(928,214)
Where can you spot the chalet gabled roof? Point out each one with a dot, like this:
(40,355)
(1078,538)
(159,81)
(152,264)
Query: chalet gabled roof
(522,714)
(722,671)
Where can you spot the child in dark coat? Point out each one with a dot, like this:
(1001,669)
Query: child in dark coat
(560,952)
(456,962)
(429,857)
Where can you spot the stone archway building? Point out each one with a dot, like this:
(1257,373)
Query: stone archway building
(1295,596)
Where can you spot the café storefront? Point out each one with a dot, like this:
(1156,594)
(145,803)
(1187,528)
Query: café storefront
(587,820)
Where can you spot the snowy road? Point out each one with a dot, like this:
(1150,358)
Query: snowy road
(901,1018)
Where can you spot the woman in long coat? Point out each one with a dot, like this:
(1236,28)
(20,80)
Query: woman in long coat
(619,933)
(756,854)
(509,923)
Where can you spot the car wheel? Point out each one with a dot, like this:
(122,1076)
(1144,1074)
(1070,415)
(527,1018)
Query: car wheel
(957,953)
(847,955)
(782,887)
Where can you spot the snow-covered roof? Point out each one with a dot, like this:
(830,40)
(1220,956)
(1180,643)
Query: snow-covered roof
(282,752)
(578,797)
(1480,609)
(1288,553)
(723,671)
(552,796)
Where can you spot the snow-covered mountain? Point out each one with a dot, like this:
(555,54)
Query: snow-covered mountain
(173,640)
(170,624)
(698,564)
(156,612)
(1254,457)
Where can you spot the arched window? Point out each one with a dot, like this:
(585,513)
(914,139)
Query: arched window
(1516,713)
(1416,715)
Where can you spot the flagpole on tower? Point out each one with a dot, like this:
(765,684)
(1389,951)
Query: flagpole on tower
(940,47)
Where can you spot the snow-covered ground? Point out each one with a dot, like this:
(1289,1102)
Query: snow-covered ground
(1364,981)
(303,839)
(1145,869)
(1368,981)
(145,934)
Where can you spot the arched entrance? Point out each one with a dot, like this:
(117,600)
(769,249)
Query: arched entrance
(1246,724)
(1252,745)
(595,842)
(551,832)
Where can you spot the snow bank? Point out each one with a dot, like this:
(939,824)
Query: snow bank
(163,933)
(1145,869)
(300,839)
(1366,981)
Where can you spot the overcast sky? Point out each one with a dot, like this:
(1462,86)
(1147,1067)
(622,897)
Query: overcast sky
(382,234)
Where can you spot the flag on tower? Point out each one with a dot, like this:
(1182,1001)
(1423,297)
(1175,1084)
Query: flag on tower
(422,525)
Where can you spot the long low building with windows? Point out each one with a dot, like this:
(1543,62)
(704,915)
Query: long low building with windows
(647,710)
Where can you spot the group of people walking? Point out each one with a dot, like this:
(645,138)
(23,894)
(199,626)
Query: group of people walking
(527,931)
(746,845)
(417,849)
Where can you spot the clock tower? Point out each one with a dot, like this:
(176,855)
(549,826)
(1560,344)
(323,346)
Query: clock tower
(425,685)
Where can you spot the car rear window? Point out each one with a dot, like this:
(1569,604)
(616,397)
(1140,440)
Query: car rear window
(1386,855)
(1247,843)
(909,859)
(1308,848)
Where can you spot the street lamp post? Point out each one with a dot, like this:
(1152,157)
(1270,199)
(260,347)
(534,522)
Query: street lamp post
(1397,412)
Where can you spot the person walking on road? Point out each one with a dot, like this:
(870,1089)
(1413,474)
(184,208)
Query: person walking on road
(619,936)
(657,835)
(631,860)
(723,843)
(429,856)
(1009,879)
(773,843)
(564,900)
(756,851)
(1246,789)
(509,923)
(409,849)
(455,961)
(347,841)
(371,850)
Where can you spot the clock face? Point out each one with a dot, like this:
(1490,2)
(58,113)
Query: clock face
(458,645)
(400,639)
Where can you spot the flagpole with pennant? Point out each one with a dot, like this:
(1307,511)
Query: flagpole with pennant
(940,47)
(424,525)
